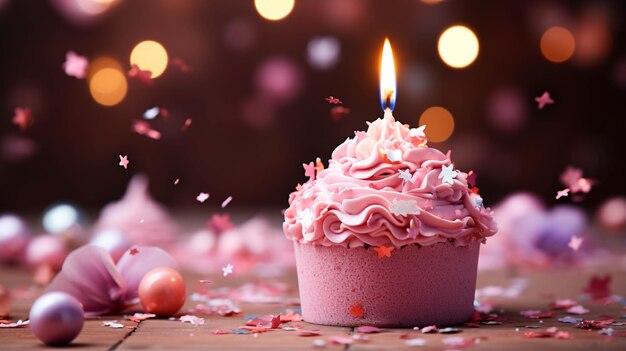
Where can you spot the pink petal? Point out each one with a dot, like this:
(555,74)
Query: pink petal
(134,267)
(89,275)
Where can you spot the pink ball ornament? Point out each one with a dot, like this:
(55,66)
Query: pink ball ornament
(46,249)
(14,236)
(56,318)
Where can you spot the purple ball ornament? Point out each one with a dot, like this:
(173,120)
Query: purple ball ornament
(56,318)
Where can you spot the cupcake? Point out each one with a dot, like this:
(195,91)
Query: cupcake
(388,234)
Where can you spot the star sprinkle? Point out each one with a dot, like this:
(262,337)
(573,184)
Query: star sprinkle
(404,207)
(309,170)
(447,174)
(333,100)
(124,161)
(227,201)
(75,65)
(383,251)
(356,310)
(133,251)
(140,75)
(228,269)
(544,100)
(23,117)
(575,242)
(202,197)
(405,175)
(562,193)
(417,132)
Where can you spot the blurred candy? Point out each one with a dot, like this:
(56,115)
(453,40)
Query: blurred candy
(48,250)
(612,214)
(56,318)
(5,302)
(14,236)
(162,291)
(90,275)
(64,219)
(113,241)
(280,79)
(323,52)
(506,110)
(141,218)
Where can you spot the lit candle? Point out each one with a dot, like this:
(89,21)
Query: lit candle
(387,79)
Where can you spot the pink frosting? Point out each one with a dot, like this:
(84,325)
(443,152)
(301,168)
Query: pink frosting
(362,198)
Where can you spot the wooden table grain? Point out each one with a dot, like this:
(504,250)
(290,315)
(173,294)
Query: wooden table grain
(543,288)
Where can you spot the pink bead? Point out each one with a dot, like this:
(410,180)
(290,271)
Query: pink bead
(14,236)
(46,249)
(162,291)
(56,318)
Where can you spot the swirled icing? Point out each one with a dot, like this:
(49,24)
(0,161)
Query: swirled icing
(362,199)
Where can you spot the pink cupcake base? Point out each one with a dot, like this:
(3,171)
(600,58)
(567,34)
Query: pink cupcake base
(416,286)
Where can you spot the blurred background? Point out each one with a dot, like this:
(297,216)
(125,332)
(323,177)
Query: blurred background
(252,77)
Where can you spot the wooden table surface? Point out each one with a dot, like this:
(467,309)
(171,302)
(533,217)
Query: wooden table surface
(542,289)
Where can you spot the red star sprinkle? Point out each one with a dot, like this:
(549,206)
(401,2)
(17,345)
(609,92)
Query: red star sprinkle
(544,100)
(140,75)
(134,251)
(333,100)
(383,251)
(124,161)
(309,170)
(23,117)
(356,311)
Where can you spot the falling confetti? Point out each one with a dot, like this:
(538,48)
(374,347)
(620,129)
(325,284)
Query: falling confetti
(333,100)
(202,197)
(227,201)
(177,181)
(228,269)
(544,100)
(562,193)
(75,65)
(22,118)
(186,124)
(151,113)
(575,242)
(124,161)
(143,128)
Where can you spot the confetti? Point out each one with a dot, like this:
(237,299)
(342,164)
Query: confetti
(570,319)
(383,251)
(366,329)
(606,331)
(112,324)
(227,201)
(563,303)
(575,242)
(562,193)
(578,309)
(124,161)
(151,113)
(405,175)
(18,324)
(177,181)
(191,319)
(333,100)
(356,311)
(22,117)
(304,332)
(415,342)
(138,317)
(181,65)
(457,341)
(573,179)
(593,324)
(404,207)
(447,174)
(536,314)
(143,128)
(319,343)
(75,65)
(544,100)
(309,170)
(341,340)
(449,331)
(429,329)
(228,269)
(339,112)
(598,287)
(133,251)
(144,77)
(202,197)
(186,124)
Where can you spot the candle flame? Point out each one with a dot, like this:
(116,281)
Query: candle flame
(387,78)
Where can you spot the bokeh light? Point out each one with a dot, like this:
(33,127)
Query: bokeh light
(279,79)
(557,44)
(60,218)
(507,110)
(274,10)
(439,124)
(612,214)
(593,39)
(150,56)
(107,82)
(323,52)
(458,46)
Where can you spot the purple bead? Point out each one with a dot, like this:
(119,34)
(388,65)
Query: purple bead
(56,318)
(14,235)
